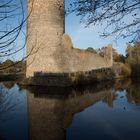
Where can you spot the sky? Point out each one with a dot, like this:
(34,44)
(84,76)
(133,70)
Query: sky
(81,37)
(9,24)
(90,37)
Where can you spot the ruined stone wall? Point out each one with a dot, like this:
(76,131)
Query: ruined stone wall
(81,60)
(45,43)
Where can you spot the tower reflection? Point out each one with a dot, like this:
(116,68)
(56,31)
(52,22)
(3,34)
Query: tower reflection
(51,110)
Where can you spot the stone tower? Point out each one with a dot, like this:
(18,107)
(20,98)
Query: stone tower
(51,52)
(45,27)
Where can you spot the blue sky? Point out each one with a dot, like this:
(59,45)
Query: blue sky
(82,37)
(9,24)
(90,37)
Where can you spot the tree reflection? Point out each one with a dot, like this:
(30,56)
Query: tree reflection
(9,99)
(133,93)
(13,112)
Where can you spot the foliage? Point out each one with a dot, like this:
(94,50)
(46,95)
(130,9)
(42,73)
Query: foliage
(133,53)
(126,70)
(90,49)
(133,58)
(8,62)
(118,57)
(12,67)
(121,70)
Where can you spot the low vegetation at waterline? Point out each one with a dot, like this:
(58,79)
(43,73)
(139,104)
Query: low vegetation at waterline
(10,67)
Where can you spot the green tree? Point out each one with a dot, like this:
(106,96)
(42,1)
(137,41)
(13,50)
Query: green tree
(8,63)
(133,58)
(90,49)
(133,53)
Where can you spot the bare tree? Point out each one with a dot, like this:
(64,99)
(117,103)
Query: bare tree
(13,19)
(121,17)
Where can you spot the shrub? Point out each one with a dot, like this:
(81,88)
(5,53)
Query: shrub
(126,70)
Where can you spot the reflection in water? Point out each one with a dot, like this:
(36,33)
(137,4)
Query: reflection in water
(95,112)
(50,114)
(13,112)
(134,93)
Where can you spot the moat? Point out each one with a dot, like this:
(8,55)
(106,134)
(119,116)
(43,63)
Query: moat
(103,111)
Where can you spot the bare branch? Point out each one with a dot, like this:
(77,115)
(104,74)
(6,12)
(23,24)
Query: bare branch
(121,17)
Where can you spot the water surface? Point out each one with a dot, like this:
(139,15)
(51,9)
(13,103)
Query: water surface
(102,111)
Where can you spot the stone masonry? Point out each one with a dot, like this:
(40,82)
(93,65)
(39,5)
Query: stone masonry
(48,51)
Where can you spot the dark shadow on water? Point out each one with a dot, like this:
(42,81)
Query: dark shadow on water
(11,77)
(64,92)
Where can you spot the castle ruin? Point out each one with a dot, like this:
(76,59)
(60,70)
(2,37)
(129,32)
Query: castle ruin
(47,48)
